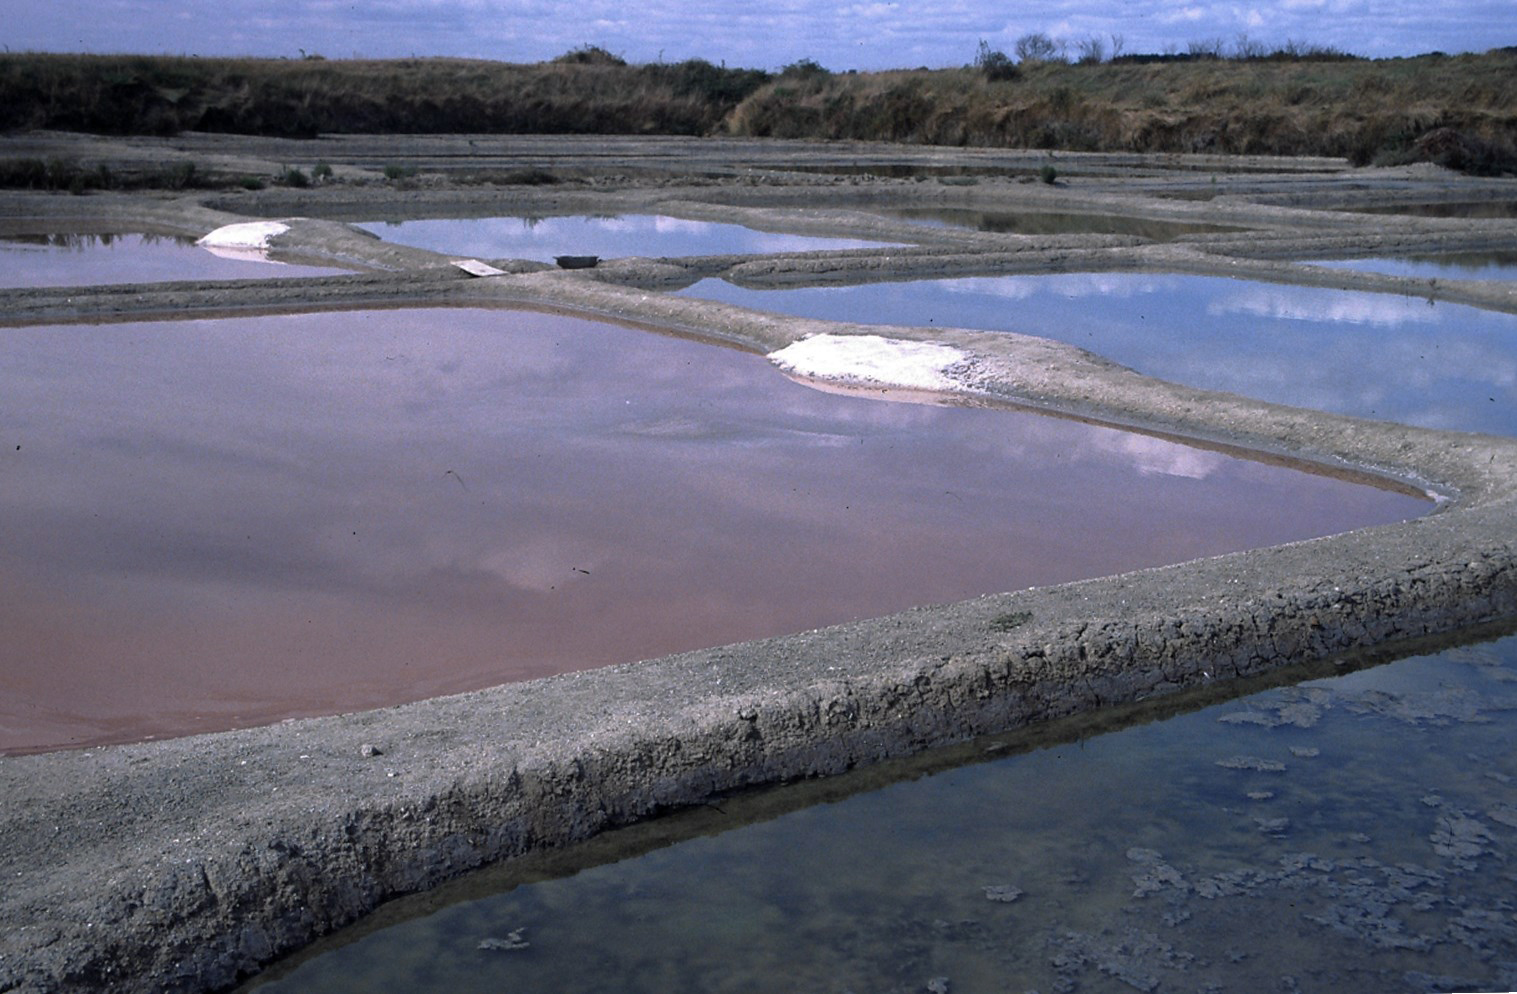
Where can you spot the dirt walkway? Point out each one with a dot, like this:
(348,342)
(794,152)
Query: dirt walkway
(184,865)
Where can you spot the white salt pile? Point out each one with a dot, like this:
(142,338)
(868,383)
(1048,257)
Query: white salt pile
(244,235)
(873,359)
(246,240)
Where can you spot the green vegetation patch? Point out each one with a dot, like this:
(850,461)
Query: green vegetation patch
(69,175)
(1010,620)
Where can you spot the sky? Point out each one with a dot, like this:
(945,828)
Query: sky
(838,34)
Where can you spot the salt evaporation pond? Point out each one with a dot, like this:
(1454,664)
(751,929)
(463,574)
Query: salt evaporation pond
(1355,834)
(1383,356)
(614,237)
(95,258)
(214,523)
(1449,266)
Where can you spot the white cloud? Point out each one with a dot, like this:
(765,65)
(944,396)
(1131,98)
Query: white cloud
(863,34)
(1184,15)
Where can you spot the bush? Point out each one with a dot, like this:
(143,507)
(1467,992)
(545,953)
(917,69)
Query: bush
(1092,51)
(995,64)
(1048,174)
(180,176)
(1206,48)
(717,84)
(1039,47)
(527,176)
(68,174)
(1465,153)
(805,69)
(590,55)
(23,174)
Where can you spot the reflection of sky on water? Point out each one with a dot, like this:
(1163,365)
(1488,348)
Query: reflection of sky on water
(1453,266)
(1353,834)
(646,235)
(1375,355)
(294,514)
(67,259)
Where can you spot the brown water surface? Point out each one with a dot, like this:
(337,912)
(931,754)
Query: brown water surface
(1474,209)
(217,523)
(1054,223)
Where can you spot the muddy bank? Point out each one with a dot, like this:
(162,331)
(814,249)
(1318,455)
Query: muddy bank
(184,865)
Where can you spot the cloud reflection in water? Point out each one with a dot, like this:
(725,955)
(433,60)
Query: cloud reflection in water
(216,522)
(1374,355)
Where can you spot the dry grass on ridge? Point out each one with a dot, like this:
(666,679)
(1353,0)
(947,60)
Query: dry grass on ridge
(1360,109)
(1365,110)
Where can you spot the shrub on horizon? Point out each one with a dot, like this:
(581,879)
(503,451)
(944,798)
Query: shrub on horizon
(995,64)
(590,55)
(805,69)
(1039,47)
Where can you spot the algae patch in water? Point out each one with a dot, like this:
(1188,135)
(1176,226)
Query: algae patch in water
(1354,834)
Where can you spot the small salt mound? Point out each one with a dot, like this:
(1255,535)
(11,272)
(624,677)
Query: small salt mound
(244,235)
(872,359)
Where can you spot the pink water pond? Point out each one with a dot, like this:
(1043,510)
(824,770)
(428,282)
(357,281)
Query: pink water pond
(218,523)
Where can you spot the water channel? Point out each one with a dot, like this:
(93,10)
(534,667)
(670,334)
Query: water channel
(214,523)
(1052,223)
(1474,209)
(1355,833)
(1448,266)
(612,237)
(1383,356)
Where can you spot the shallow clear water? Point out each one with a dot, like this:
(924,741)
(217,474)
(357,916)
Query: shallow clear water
(1356,834)
(1042,223)
(220,522)
(73,259)
(1382,356)
(541,239)
(1451,266)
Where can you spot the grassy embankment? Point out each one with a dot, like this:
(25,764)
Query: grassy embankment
(1366,111)
(1457,110)
(583,92)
